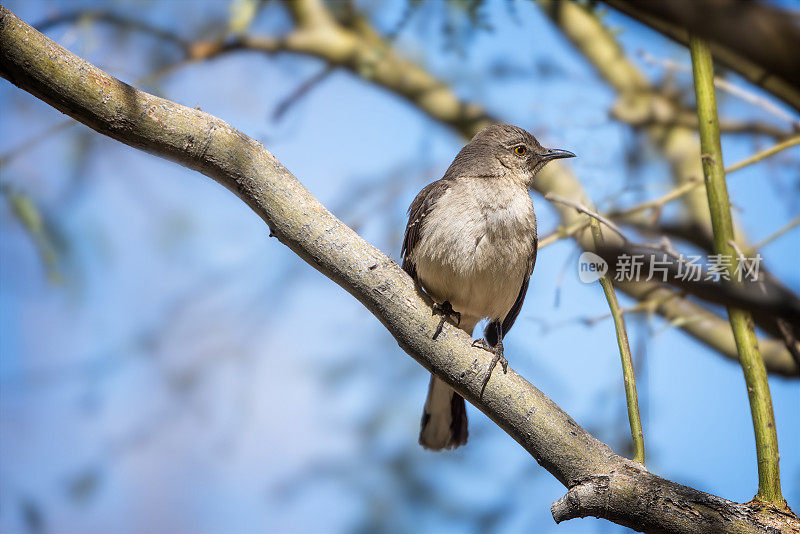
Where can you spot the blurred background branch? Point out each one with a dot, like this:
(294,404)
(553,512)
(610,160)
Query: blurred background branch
(756,39)
(358,48)
(678,143)
(210,371)
(204,143)
(363,52)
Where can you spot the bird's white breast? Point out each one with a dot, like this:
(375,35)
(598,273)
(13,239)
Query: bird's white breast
(475,247)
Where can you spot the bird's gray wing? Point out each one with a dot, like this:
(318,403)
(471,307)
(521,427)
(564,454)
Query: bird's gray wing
(419,209)
(491,333)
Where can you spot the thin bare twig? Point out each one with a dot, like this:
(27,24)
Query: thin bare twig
(352,47)
(724,85)
(563,233)
(202,142)
(755,158)
(693,182)
(658,203)
(583,209)
(115,19)
(303,89)
(26,145)
(775,235)
(647,305)
(600,483)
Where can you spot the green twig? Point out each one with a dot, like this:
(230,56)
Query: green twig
(628,374)
(775,235)
(764,154)
(658,204)
(617,313)
(755,374)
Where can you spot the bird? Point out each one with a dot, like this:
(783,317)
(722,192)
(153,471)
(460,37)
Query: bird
(471,244)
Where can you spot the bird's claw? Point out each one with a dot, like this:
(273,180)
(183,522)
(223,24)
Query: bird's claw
(482,344)
(497,350)
(445,309)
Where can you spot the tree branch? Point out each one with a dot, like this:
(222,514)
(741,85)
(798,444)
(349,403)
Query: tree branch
(657,204)
(202,142)
(637,99)
(358,48)
(729,87)
(678,143)
(755,158)
(757,40)
(606,496)
(114,19)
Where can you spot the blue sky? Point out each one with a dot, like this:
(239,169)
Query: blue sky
(191,374)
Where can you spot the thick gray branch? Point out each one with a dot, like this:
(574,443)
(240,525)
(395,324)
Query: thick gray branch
(756,39)
(200,141)
(359,49)
(611,497)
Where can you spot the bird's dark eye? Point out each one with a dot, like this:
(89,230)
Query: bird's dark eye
(520,150)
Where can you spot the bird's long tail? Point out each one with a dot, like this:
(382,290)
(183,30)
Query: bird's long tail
(444,418)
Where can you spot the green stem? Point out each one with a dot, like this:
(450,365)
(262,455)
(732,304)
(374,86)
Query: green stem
(755,374)
(755,158)
(628,374)
(775,235)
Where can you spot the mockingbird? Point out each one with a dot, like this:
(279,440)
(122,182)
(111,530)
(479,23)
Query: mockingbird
(471,244)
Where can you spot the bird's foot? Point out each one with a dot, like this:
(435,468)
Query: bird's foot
(497,350)
(446,311)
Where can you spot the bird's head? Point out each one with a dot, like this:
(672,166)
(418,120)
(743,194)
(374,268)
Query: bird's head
(506,152)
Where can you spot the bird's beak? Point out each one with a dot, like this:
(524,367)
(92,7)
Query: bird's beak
(556,153)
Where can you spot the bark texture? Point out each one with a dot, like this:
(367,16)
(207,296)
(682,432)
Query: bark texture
(600,482)
(766,53)
(355,46)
